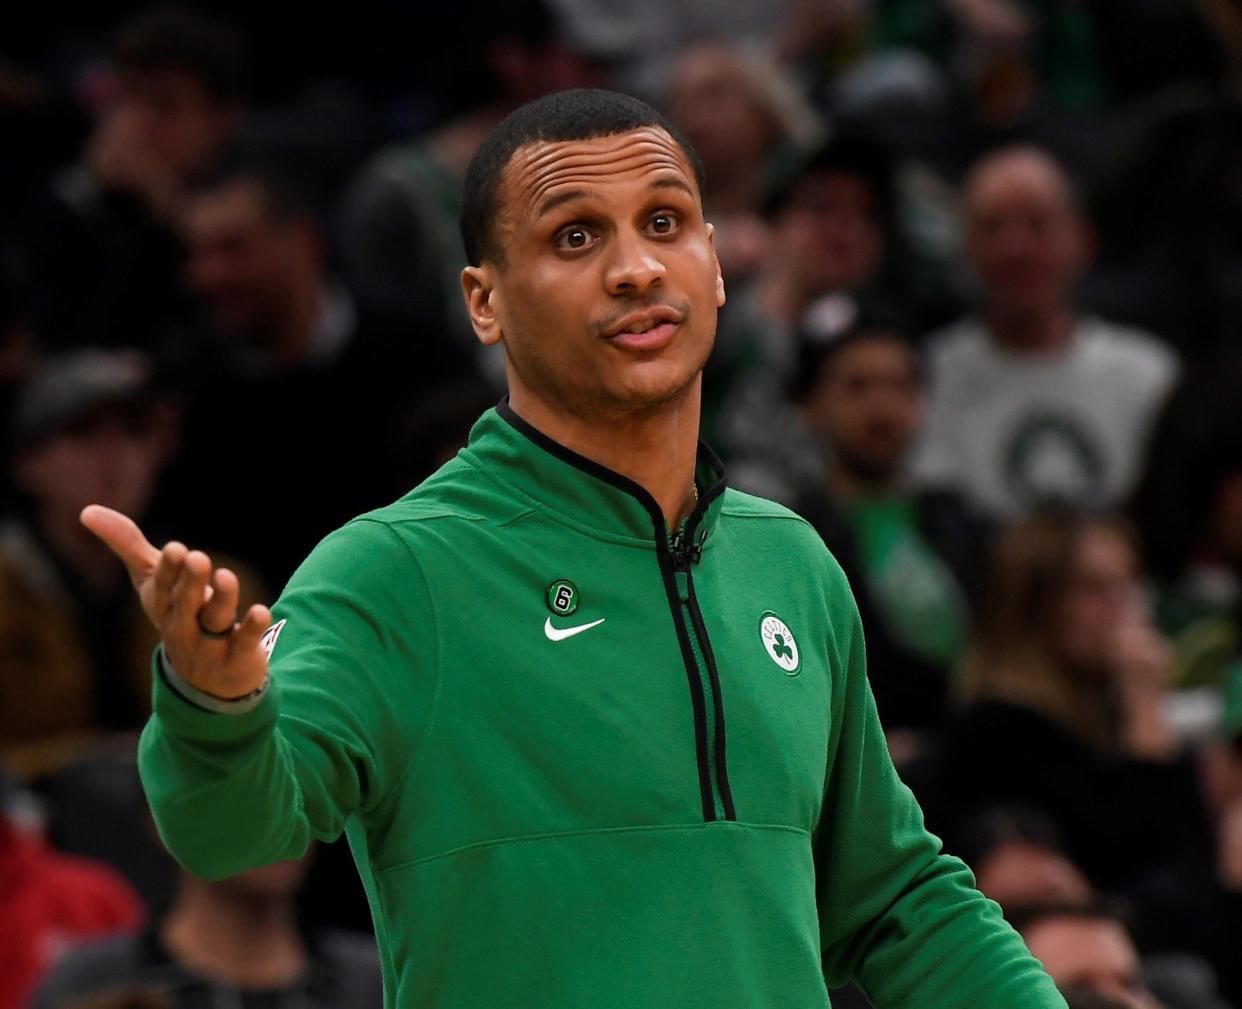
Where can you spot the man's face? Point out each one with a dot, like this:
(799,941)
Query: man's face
(1024,236)
(244,260)
(112,456)
(169,115)
(607,294)
(868,406)
(829,233)
(1090,953)
(715,107)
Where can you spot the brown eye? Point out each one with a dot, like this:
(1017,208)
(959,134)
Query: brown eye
(664,224)
(574,239)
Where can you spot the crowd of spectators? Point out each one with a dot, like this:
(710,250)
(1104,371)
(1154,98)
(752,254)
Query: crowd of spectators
(984,281)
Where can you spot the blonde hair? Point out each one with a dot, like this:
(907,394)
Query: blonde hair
(1014,655)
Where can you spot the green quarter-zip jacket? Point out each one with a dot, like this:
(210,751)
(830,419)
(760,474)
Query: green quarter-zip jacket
(584,763)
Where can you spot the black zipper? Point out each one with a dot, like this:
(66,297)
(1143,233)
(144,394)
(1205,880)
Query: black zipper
(676,555)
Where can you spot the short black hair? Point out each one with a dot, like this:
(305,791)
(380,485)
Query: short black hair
(578,114)
(870,322)
(993,828)
(176,38)
(1025,918)
(855,153)
(286,192)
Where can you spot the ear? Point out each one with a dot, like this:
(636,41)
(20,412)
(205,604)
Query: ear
(720,288)
(478,288)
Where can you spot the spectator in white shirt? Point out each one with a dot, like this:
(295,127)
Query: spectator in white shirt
(1031,401)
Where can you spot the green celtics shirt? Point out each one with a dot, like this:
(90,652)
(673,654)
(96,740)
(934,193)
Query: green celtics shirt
(583,763)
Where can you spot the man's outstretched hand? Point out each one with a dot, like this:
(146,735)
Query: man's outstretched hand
(193,605)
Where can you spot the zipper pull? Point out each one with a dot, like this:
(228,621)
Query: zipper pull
(677,547)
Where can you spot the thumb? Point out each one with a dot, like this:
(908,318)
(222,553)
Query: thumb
(122,536)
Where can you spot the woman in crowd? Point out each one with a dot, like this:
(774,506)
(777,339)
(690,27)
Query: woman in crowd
(1065,686)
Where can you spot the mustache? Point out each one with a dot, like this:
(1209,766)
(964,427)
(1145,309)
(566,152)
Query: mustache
(605,326)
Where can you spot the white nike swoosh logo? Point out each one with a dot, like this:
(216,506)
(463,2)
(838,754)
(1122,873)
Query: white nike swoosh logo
(560,634)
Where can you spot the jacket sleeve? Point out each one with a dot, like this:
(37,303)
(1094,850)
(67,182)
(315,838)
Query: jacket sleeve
(353,674)
(896,915)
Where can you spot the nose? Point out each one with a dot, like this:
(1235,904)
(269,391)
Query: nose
(632,268)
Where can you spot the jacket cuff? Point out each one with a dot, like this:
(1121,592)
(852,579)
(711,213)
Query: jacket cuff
(209,702)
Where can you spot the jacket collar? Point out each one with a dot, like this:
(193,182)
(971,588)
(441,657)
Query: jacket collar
(582,491)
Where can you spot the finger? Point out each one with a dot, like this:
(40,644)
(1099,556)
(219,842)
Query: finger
(189,592)
(220,611)
(123,537)
(167,569)
(254,624)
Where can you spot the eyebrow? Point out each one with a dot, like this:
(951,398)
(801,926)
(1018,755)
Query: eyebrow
(552,202)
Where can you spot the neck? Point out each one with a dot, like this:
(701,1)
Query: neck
(81,550)
(1039,331)
(848,486)
(656,449)
(247,943)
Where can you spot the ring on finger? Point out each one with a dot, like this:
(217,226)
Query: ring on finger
(207,632)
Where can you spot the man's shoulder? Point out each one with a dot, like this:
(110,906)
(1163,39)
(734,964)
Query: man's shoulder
(455,493)
(958,350)
(741,505)
(783,525)
(1115,345)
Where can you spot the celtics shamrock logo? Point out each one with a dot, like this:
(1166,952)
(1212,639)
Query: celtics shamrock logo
(778,642)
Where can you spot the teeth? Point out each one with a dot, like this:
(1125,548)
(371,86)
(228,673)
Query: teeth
(642,326)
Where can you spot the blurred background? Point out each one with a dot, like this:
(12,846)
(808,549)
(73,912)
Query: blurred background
(984,271)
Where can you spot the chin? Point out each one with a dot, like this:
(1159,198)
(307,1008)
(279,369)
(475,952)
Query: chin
(653,384)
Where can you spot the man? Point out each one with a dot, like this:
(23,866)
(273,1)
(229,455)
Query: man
(107,259)
(1031,402)
(400,245)
(235,942)
(829,225)
(73,643)
(1084,946)
(598,729)
(291,357)
(914,558)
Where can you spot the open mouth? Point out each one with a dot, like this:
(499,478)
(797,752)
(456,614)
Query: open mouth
(645,331)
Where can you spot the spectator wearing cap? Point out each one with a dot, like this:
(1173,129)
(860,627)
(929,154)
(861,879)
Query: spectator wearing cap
(74,647)
(105,256)
(1032,401)
(1018,860)
(1086,946)
(236,942)
(49,902)
(913,557)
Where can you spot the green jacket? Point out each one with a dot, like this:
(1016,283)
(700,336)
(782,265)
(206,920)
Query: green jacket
(582,764)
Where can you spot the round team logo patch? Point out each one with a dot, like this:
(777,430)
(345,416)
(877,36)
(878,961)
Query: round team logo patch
(562,597)
(779,642)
